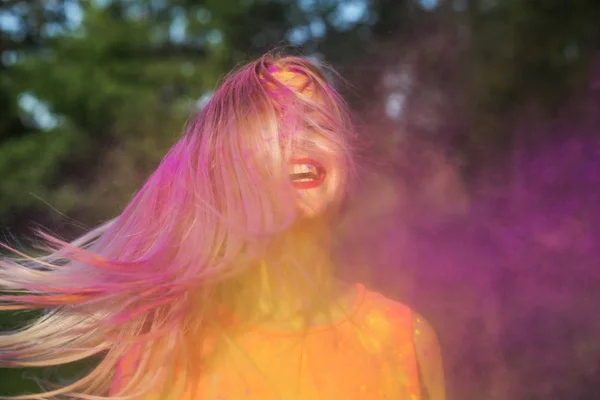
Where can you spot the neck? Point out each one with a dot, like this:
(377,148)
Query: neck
(295,278)
(297,269)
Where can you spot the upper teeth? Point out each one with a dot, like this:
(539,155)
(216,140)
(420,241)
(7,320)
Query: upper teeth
(302,168)
(304,173)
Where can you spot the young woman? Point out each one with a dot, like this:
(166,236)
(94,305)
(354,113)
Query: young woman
(216,281)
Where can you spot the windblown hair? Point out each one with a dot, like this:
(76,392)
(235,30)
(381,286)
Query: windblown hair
(151,277)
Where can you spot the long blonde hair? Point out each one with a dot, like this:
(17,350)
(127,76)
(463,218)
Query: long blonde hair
(151,276)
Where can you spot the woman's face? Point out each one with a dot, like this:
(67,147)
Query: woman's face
(315,171)
(315,165)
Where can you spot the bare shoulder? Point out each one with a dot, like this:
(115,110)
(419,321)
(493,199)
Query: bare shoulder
(429,357)
(424,335)
(424,340)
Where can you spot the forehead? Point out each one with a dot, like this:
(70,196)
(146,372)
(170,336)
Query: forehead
(298,118)
(294,80)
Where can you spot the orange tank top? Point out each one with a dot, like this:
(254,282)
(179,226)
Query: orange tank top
(367,355)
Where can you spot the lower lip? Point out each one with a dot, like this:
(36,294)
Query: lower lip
(310,184)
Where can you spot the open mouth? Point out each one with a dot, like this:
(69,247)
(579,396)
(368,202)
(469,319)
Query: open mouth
(307,173)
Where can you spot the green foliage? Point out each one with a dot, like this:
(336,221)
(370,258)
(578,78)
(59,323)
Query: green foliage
(121,83)
(27,161)
(525,56)
(535,50)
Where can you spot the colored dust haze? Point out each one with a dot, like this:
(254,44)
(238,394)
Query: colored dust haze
(506,267)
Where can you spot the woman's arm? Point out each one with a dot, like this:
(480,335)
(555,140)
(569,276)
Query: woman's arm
(429,358)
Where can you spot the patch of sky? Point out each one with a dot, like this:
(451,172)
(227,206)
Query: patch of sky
(214,37)
(11,19)
(178,27)
(102,3)
(398,83)
(203,100)
(307,5)
(136,11)
(298,35)
(38,110)
(159,3)
(9,22)
(349,13)
(317,28)
(9,57)
(301,34)
(74,13)
(395,105)
(429,4)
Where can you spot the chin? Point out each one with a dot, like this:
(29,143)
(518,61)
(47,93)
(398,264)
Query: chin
(318,211)
(322,202)
(310,213)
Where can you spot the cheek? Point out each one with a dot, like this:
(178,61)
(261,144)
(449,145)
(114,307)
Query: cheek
(328,195)
(334,180)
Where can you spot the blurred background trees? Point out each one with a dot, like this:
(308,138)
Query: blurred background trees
(93,92)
